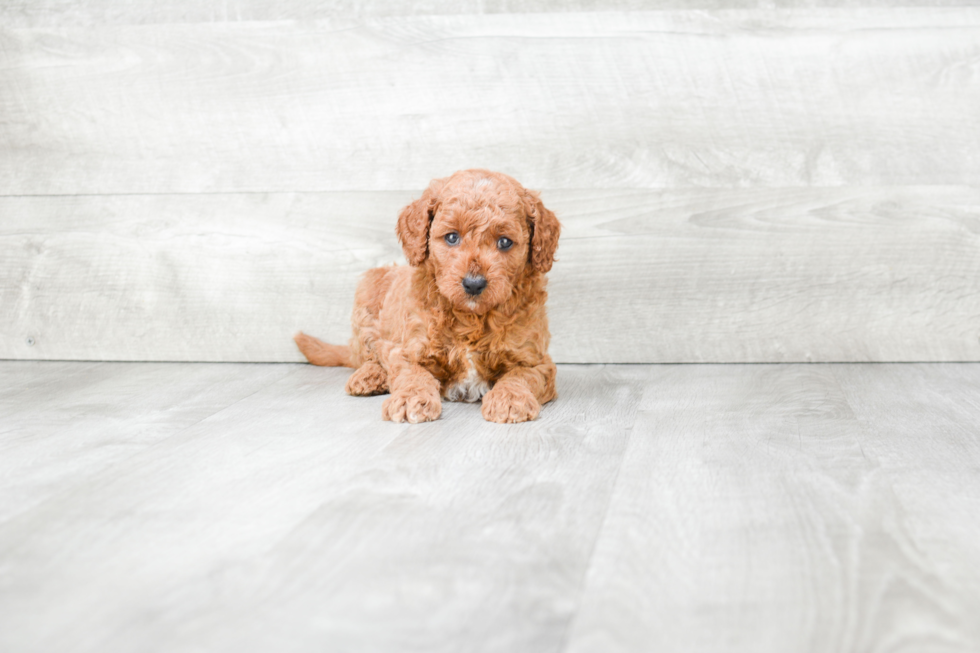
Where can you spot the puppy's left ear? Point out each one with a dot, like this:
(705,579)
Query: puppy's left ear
(414,221)
(545,230)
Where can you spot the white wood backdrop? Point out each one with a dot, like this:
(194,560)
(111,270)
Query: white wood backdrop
(737,184)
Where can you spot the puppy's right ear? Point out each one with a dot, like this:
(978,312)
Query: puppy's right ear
(414,221)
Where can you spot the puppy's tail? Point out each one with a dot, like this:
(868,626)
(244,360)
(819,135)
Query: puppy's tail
(322,353)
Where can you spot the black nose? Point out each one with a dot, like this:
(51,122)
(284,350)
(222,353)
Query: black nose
(474,285)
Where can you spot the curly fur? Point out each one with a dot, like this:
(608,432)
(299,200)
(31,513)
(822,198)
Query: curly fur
(420,337)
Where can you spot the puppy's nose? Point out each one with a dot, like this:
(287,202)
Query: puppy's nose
(474,285)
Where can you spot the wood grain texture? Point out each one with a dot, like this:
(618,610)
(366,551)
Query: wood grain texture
(757,510)
(763,508)
(72,422)
(28,378)
(195,277)
(299,521)
(887,274)
(923,422)
(773,275)
(73,13)
(583,100)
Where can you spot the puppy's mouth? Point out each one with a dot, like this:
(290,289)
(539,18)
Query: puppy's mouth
(476,305)
(473,304)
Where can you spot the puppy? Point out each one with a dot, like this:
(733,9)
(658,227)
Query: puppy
(466,320)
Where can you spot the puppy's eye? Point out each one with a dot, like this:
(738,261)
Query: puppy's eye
(452,239)
(505,243)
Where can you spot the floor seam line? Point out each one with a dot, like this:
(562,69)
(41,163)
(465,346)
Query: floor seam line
(563,643)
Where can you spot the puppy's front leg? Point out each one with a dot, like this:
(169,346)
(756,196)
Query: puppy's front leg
(414,396)
(518,395)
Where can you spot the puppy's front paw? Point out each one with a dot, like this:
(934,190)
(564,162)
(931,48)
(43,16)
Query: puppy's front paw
(369,379)
(412,408)
(509,405)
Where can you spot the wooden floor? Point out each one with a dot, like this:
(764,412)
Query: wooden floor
(247,507)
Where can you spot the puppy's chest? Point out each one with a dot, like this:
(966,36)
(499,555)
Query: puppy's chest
(468,386)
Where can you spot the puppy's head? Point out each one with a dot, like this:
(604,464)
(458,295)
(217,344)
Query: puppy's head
(480,232)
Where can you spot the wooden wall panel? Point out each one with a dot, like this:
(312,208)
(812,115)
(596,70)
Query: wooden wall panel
(853,274)
(186,277)
(810,97)
(738,184)
(75,13)
(834,274)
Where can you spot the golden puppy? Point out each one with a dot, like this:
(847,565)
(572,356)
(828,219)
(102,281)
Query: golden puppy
(467,320)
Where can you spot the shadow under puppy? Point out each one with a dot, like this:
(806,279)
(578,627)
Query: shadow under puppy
(466,320)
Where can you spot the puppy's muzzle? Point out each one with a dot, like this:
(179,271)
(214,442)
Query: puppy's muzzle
(474,285)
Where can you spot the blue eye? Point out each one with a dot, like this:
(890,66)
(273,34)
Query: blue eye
(452,238)
(505,243)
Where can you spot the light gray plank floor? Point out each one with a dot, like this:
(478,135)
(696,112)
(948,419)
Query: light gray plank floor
(232,507)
